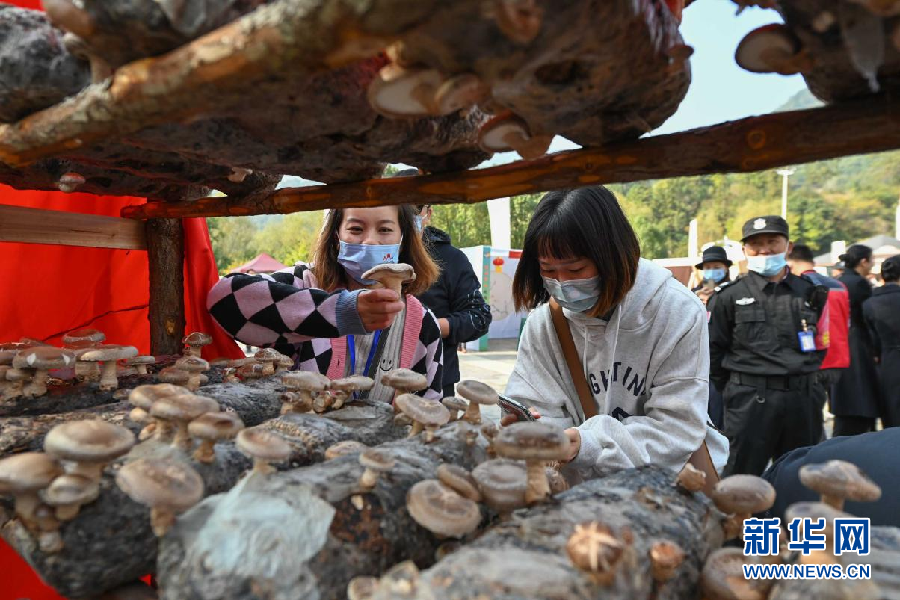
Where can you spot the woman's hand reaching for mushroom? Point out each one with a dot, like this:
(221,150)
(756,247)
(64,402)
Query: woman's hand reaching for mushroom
(509,418)
(378,308)
(574,443)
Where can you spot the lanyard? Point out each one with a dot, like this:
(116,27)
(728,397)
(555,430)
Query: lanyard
(351,348)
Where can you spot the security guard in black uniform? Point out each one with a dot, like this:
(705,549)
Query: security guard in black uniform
(763,354)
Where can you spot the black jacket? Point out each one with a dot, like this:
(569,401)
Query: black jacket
(882,315)
(456,296)
(753,327)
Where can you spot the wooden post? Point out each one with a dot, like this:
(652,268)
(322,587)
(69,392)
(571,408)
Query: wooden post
(165,253)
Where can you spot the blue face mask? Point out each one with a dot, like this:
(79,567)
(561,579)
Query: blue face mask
(577,295)
(767,266)
(419,223)
(359,258)
(716,275)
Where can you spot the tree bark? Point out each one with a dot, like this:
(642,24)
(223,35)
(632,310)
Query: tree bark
(751,144)
(165,253)
(524,558)
(110,542)
(254,402)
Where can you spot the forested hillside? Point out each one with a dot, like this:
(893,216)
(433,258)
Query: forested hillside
(843,199)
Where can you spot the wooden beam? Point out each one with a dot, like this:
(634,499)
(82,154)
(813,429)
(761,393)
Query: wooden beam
(165,253)
(36,226)
(751,144)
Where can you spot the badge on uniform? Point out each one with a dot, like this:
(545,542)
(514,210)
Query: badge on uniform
(807,339)
(744,301)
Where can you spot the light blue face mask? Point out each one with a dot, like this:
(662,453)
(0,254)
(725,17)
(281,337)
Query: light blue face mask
(419,223)
(359,258)
(578,295)
(767,266)
(716,275)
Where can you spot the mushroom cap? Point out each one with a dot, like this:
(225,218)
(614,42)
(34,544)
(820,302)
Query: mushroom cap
(666,553)
(384,271)
(395,91)
(71,488)
(343,449)
(743,494)
(405,379)
(441,510)
(267,355)
(840,478)
(814,511)
(263,444)
(92,441)
(186,407)
(459,92)
(161,483)
(215,426)
(173,375)
(305,380)
(502,483)
(426,412)
(80,336)
(197,338)
(454,403)
(43,357)
(377,459)
(9,350)
(595,548)
(722,577)
(192,364)
(141,360)
(477,392)
(532,440)
(353,383)
(13,374)
(460,481)
(143,396)
(27,472)
(106,352)
(754,51)
(492,135)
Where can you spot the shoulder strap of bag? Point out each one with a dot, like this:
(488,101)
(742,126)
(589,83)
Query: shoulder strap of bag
(700,459)
(561,324)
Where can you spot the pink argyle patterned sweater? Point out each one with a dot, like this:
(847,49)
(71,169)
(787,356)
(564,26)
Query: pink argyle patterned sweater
(287,312)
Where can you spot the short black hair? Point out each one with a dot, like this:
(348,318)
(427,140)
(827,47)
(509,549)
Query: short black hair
(855,254)
(890,269)
(802,252)
(584,222)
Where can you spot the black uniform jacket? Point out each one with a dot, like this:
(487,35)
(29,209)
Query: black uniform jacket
(753,326)
(455,296)
(882,315)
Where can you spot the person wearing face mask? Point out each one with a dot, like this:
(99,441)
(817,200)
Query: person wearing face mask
(714,270)
(455,298)
(763,353)
(616,349)
(324,316)
(855,398)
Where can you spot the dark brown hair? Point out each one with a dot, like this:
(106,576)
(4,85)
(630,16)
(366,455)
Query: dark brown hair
(584,222)
(331,275)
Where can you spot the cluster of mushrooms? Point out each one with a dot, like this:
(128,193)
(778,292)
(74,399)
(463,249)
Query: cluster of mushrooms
(50,487)
(25,365)
(741,496)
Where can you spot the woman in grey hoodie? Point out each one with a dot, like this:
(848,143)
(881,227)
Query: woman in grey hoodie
(641,337)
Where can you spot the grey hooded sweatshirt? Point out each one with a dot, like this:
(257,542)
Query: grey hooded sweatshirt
(648,370)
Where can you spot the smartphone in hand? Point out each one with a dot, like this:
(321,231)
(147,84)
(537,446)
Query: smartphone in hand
(514,407)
